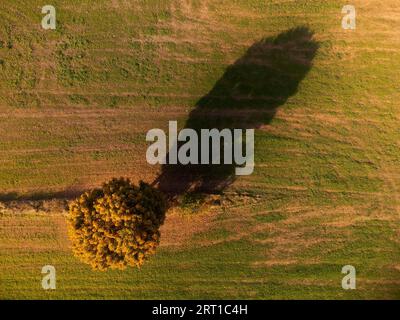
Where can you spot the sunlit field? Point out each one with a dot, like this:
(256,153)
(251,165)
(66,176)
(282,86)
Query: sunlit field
(76,104)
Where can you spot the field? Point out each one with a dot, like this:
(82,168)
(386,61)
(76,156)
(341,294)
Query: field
(76,103)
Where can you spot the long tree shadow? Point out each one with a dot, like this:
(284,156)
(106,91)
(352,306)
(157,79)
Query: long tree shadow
(247,96)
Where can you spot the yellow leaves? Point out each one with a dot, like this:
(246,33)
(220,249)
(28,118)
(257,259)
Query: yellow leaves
(116,226)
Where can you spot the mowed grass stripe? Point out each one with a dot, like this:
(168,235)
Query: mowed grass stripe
(325,189)
(237,260)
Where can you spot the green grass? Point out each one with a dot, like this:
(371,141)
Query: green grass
(76,104)
(227,269)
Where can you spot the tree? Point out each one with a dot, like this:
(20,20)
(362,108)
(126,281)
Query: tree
(118,225)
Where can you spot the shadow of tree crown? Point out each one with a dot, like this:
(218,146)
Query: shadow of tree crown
(246,96)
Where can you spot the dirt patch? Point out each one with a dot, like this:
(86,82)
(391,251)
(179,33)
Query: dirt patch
(178,228)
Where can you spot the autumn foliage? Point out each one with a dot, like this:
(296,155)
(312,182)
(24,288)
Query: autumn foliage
(118,225)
